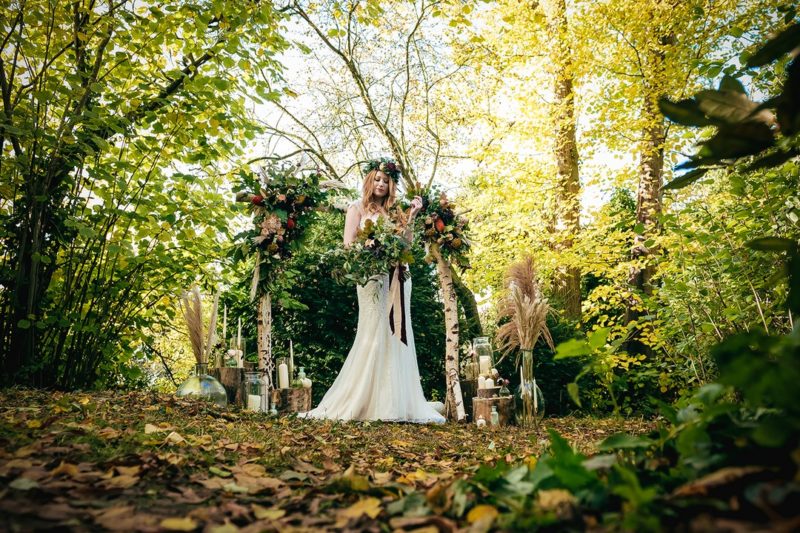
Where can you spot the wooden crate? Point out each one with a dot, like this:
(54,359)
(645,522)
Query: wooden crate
(292,400)
(483,406)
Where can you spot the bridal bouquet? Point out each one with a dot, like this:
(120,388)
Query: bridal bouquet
(379,247)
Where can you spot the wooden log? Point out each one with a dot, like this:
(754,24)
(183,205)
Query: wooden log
(233,381)
(290,400)
(492,392)
(483,406)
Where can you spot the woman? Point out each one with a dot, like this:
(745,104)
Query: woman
(380,377)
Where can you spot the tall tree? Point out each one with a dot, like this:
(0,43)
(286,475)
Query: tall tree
(568,208)
(99,99)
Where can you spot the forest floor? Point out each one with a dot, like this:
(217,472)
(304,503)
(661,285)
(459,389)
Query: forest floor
(149,462)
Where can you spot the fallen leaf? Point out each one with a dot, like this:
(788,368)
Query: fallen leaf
(227,527)
(120,482)
(151,428)
(179,524)
(109,433)
(482,513)
(128,470)
(174,438)
(23,483)
(67,469)
(289,475)
(366,506)
(263,513)
(219,472)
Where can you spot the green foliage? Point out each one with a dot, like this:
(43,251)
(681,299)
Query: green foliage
(111,203)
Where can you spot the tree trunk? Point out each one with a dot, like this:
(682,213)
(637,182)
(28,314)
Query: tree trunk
(648,196)
(265,362)
(455,400)
(567,224)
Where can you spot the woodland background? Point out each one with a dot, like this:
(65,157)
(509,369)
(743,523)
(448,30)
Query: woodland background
(126,128)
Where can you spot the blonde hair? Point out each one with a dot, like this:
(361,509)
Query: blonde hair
(369,202)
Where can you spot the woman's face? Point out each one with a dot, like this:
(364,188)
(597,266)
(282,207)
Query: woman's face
(380,186)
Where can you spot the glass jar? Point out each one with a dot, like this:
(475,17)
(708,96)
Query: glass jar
(529,402)
(484,354)
(201,385)
(495,416)
(252,381)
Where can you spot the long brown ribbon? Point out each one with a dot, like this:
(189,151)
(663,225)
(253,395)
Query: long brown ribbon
(397,300)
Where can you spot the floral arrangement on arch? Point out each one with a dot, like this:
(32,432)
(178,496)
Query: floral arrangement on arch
(445,228)
(283,208)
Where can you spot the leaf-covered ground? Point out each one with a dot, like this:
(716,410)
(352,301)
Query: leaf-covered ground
(142,461)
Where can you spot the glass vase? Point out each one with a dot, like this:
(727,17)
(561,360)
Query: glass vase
(253,385)
(529,400)
(484,355)
(201,385)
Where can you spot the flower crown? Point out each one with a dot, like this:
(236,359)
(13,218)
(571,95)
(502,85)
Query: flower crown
(385,165)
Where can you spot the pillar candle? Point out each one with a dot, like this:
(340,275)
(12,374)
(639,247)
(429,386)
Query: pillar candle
(254,402)
(283,376)
(239,336)
(489,383)
(306,383)
(485,364)
(481,382)
(535,397)
(291,359)
(224,323)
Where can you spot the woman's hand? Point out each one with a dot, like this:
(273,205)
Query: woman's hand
(416,206)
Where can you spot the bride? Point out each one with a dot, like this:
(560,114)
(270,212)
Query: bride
(380,377)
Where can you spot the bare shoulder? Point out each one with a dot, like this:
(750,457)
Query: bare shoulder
(354,208)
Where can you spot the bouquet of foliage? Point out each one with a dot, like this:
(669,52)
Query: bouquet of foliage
(444,228)
(282,210)
(379,247)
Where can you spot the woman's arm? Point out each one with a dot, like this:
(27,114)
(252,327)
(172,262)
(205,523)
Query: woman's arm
(351,222)
(416,206)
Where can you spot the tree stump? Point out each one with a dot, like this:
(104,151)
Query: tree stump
(483,406)
(233,381)
(290,400)
(469,387)
(492,392)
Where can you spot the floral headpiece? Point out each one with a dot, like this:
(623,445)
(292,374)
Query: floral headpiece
(385,165)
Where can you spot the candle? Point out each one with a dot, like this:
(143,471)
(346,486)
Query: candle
(535,397)
(485,364)
(291,358)
(283,376)
(254,402)
(224,323)
(239,336)
(489,383)
(306,383)
(481,382)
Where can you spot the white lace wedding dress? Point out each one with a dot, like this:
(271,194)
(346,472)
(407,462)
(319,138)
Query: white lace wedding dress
(380,377)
